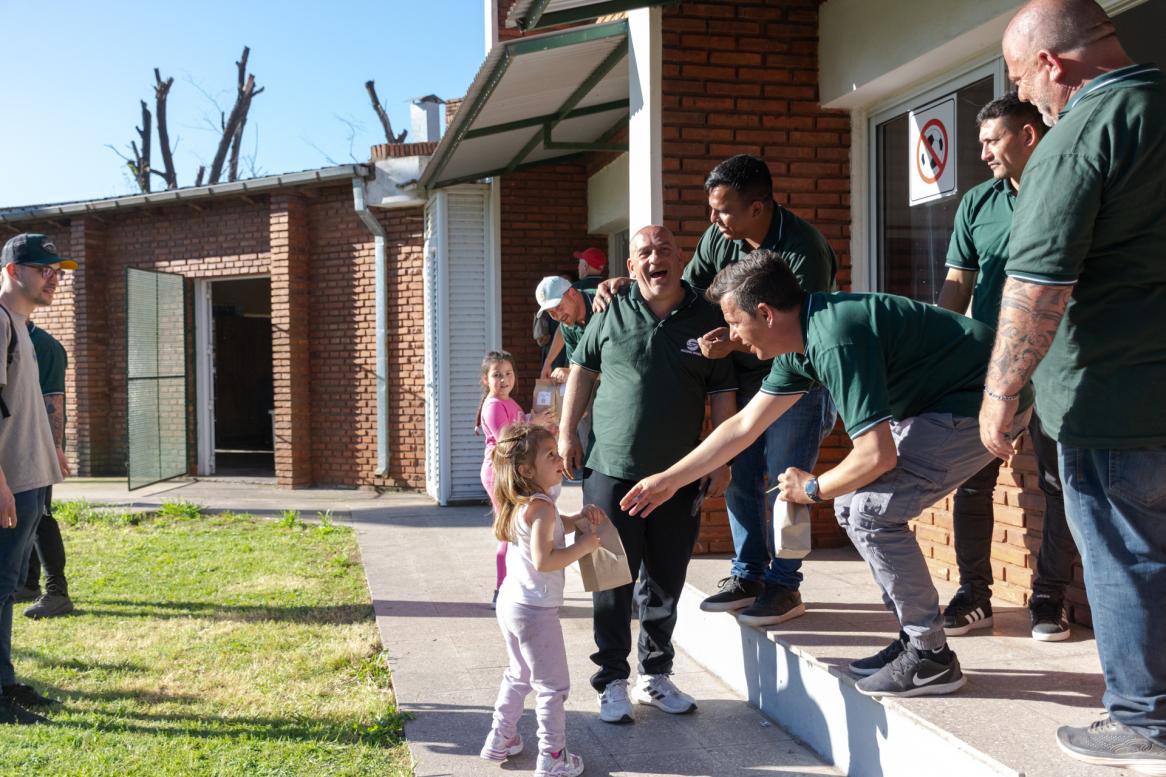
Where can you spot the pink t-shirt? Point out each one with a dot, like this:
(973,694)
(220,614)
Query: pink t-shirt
(496,414)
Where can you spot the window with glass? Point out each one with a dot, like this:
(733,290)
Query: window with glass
(911,242)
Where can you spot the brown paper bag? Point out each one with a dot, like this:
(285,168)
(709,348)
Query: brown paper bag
(606,567)
(791,529)
(547,396)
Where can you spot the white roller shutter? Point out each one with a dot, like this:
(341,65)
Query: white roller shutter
(459,298)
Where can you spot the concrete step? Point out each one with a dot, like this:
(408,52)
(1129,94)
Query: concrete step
(1001,723)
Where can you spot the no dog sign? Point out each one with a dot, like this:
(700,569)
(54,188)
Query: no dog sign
(931,166)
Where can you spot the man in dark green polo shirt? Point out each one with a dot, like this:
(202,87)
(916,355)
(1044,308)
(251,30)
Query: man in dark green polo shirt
(569,305)
(47,548)
(648,412)
(592,271)
(906,378)
(1009,133)
(761,587)
(1085,300)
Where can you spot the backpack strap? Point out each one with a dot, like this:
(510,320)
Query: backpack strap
(4,412)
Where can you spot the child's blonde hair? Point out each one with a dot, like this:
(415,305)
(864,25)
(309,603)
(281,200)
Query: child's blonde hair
(488,361)
(517,446)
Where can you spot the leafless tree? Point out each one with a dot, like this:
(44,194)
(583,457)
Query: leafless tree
(383,115)
(161,91)
(139,164)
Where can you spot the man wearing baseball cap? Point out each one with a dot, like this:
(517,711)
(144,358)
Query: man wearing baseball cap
(592,267)
(30,268)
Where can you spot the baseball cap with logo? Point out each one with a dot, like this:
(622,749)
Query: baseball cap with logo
(33,248)
(593,256)
(550,292)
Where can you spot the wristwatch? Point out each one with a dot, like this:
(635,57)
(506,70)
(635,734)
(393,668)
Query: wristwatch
(812,490)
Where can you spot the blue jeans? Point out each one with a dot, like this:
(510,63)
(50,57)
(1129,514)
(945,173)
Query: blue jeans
(1115,501)
(14,545)
(792,441)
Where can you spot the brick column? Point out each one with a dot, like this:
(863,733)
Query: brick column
(87,389)
(291,360)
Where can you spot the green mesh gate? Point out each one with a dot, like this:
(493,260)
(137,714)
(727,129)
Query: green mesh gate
(155,377)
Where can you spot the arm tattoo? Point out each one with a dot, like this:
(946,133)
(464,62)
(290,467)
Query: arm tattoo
(1029,316)
(55,407)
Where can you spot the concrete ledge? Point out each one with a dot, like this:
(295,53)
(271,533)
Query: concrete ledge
(1001,723)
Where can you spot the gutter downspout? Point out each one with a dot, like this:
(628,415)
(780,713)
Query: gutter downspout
(378,233)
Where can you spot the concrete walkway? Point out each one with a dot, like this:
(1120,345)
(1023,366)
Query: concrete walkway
(431,574)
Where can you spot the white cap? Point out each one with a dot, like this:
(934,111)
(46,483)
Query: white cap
(550,292)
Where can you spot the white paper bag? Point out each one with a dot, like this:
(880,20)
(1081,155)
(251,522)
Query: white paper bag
(791,529)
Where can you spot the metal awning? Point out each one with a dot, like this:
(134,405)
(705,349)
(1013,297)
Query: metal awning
(530,14)
(536,99)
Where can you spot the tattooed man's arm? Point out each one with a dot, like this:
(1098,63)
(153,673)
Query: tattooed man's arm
(55,407)
(1029,316)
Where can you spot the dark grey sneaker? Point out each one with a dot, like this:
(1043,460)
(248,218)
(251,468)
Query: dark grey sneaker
(25,594)
(50,606)
(776,604)
(871,664)
(26,696)
(735,593)
(915,673)
(1108,743)
(13,714)
(964,614)
(1048,620)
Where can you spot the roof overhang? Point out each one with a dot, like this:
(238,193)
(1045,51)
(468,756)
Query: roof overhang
(532,14)
(536,99)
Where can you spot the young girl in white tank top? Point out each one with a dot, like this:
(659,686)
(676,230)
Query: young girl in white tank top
(527,467)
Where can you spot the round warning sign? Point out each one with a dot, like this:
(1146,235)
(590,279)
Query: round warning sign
(931,151)
(932,138)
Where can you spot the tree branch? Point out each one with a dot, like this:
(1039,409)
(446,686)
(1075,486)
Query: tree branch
(161,90)
(382,115)
(232,125)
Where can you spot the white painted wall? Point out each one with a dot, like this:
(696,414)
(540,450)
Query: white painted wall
(870,50)
(607,198)
(645,191)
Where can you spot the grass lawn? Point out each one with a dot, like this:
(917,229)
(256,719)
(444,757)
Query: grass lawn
(207,645)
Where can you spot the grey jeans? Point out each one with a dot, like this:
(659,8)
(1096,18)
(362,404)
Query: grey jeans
(937,452)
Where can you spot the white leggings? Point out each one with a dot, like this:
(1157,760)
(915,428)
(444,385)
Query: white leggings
(538,662)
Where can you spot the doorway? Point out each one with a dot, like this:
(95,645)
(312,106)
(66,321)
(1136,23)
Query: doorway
(241,388)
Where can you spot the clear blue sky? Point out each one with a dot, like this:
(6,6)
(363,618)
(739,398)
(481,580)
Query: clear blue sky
(73,74)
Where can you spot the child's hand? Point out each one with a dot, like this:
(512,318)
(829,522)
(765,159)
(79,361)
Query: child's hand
(547,418)
(594,514)
(589,540)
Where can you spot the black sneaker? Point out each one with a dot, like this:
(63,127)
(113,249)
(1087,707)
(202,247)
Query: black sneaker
(735,593)
(776,604)
(963,614)
(26,696)
(25,594)
(1048,620)
(871,664)
(50,606)
(916,673)
(13,714)
(1108,743)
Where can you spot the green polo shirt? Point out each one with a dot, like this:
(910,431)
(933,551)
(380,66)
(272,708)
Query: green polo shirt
(1092,214)
(573,333)
(979,244)
(51,361)
(649,408)
(884,357)
(797,241)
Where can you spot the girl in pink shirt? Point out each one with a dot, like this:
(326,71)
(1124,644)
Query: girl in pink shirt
(496,412)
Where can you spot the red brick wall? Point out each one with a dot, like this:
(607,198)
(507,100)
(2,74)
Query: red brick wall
(741,78)
(324,302)
(544,221)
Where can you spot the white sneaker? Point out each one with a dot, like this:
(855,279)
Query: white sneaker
(568,764)
(614,706)
(659,691)
(497,748)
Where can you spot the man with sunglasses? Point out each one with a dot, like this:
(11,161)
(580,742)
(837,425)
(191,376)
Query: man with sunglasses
(30,268)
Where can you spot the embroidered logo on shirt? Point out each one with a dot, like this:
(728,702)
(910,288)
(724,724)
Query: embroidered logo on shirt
(692,348)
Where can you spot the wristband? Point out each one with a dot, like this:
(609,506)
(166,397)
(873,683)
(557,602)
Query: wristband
(1000,397)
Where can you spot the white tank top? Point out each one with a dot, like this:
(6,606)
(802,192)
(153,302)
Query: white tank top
(524,584)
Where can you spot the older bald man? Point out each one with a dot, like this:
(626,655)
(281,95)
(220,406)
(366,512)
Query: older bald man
(1086,300)
(648,413)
